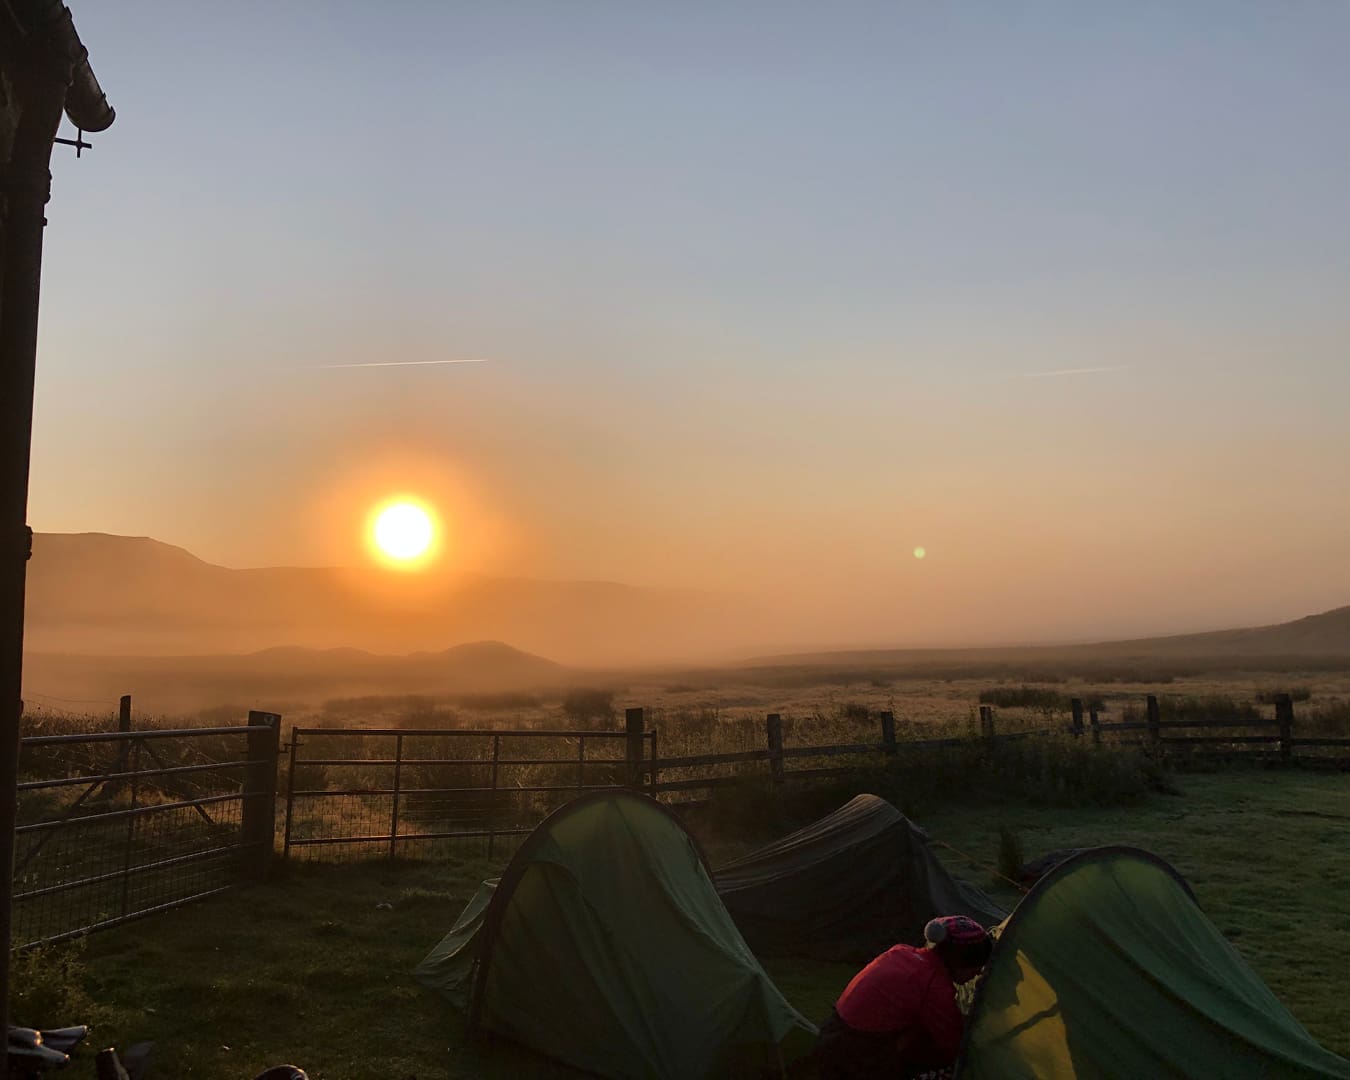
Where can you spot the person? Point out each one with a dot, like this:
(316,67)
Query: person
(898,1016)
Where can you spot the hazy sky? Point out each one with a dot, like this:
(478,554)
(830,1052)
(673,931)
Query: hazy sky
(770,294)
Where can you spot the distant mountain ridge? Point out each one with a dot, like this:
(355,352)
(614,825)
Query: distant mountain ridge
(98,594)
(271,676)
(1325,635)
(109,614)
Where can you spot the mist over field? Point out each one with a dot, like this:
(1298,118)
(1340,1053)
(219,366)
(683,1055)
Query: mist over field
(110,614)
(136,596)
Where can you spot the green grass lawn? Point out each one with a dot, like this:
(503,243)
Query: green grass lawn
(1267,854)
(314,970)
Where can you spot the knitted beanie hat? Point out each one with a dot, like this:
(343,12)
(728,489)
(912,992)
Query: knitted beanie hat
(960,938)
(958,929)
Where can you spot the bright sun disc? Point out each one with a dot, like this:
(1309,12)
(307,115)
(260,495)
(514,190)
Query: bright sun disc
(403,531)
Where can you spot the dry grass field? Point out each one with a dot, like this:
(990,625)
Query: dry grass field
(724,710)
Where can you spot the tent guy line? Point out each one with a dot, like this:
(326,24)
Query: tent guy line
(981,865)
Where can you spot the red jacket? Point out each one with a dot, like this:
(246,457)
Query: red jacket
(907,991)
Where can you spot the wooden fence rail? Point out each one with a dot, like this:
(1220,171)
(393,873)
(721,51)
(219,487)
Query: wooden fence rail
(1246,736)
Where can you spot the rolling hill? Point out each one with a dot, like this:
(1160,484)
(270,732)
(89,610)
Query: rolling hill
(273,677)
(1322,637)
(108,614)
(96,594)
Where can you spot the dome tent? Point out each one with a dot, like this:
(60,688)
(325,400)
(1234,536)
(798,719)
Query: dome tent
(449,967)
(1109,969)
(605,946)
(846,887)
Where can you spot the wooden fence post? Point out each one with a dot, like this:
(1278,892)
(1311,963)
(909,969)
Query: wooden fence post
(1076,706)
(291,748)
(888,733)
(652,776)
(124,748)
(258,816)
(774,727)
(1096,725)
(987,722)
(633,720)
(1154,720)
(1284,715)
(123,726)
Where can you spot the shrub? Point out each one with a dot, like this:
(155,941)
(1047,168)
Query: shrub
(497,702)
(1010,855)
(47,987)
(424,713)
(585,705)
(1296,693)
(1199,707)
(1331,718)
(1023,697)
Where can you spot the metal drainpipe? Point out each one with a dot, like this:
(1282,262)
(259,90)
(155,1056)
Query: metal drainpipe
(42,69)
(47,26)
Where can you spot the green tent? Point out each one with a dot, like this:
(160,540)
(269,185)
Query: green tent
(449,967)
(604,945)
(1108,968)
(846,887)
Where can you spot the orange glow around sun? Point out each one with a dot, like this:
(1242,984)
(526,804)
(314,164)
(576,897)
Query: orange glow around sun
(403,533)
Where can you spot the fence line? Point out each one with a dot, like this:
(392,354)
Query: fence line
(1157,733)
(170,815)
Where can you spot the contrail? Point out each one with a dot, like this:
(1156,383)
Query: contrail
(397,363)
(1070,371)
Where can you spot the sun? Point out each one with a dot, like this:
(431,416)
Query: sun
(403,532)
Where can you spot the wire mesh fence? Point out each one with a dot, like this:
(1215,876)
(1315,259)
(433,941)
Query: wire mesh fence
(354,793)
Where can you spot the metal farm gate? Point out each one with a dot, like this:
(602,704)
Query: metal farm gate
(116,825)
(382,791)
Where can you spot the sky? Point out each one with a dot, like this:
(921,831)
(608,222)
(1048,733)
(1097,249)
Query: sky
(766,295)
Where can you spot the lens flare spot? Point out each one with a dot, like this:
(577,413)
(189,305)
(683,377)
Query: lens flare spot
(919,553)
